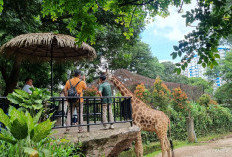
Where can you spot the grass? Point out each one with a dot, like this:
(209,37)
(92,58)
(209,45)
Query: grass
(149,149)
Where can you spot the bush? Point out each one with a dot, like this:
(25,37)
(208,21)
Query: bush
(180,99)
(142,93)
(92,91)
(161,94)
(206,100)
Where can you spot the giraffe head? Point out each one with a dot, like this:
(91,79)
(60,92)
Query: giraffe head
(107,74)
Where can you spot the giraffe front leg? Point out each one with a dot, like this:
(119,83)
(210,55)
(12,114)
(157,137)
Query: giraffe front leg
(138,145)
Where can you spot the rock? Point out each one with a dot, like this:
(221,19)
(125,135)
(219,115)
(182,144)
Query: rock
(98,143)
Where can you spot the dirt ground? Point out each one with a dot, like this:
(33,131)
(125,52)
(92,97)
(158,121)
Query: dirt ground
(217,148)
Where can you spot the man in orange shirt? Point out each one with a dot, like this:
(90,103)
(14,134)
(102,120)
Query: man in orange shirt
(79,88)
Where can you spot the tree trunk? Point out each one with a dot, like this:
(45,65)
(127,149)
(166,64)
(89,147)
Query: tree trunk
(190,129)
(11,81)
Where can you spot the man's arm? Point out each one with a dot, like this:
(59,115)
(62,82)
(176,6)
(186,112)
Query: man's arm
(100,89)
(99,93)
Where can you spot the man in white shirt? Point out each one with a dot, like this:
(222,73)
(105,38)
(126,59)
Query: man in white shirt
(28,85)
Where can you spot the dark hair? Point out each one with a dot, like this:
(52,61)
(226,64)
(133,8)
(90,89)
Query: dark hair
(77,72)
(27,79)
(103,77)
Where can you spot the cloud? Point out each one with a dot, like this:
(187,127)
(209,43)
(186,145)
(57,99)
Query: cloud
(172,27)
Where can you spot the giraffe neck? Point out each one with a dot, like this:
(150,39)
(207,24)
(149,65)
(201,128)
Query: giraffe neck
(126,92)
(121,87)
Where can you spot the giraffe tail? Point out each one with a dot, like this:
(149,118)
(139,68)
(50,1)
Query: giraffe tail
(170,136)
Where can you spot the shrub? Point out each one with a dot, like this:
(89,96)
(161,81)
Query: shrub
(161,94)
(180,99)
(142,93)
(92,91)
(206,100)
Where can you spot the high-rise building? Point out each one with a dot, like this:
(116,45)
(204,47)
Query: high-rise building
(196,70)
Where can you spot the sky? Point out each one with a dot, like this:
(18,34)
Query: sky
(164,33)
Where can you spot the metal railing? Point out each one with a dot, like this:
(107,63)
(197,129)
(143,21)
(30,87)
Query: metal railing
(92,110)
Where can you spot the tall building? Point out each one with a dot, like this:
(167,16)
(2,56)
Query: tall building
(196,70)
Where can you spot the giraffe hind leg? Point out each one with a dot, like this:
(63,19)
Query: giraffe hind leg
(168,147)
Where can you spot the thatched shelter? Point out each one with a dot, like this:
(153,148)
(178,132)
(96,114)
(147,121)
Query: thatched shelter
(44,47)
(38,46)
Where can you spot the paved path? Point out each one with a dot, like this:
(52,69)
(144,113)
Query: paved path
(217,148)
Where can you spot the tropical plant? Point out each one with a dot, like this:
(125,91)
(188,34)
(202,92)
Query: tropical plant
(30,102)
(214,23)
(23,131)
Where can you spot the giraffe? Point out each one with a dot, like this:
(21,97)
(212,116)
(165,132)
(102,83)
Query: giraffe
(146,119)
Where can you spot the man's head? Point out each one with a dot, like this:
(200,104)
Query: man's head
(77,73)
(103,78)
(29,81)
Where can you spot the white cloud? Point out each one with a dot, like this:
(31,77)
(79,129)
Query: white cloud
(172,27)
(165,60)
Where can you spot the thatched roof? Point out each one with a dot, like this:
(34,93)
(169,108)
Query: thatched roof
(37,46)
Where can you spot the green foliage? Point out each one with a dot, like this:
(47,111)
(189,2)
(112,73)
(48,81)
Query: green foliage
(46,147)
(226,68)
(223,94)
(212,119)
(197,81)
(85,15)
(23,131)
(214,24)
(206,100)
(142,61)
(30,102)
(169,74)
(1,5)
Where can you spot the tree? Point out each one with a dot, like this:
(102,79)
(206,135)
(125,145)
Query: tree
(223,94)
(27,18)
(215,23)
(226,68)
(223,70)
(19,18)
(84,19)
(169,74)
(141,61)
(197,81)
